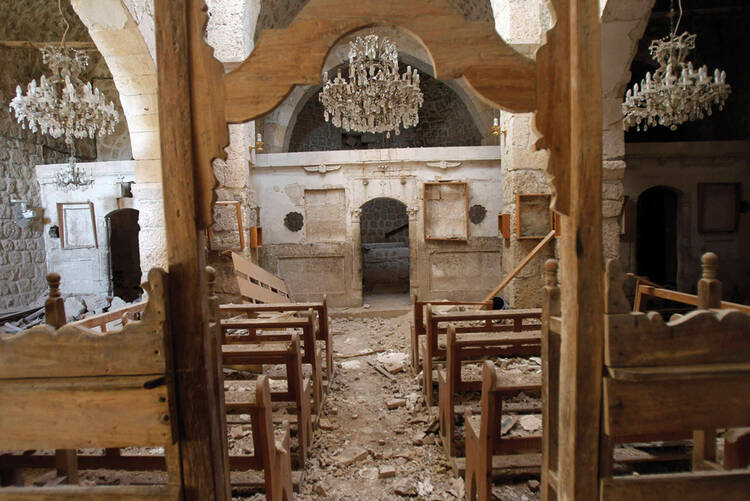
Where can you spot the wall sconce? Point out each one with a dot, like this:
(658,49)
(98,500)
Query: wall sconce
(23,215)
(258,147)
(496,128)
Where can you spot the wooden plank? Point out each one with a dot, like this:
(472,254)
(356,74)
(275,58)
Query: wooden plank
(633,408)
(202,451)
(104,318)
(689,372)
(96,412)
(581,256)
(518,268)
(700,337)
(264,323)
(76,351)
(458,48)
(247,307)
(99,493)
(465,316)
(727,486)
(257,292)
(246,267)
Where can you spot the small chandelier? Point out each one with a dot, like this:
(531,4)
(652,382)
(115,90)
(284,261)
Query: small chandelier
(61,105)
(677,92)
(375,98)
(73,176)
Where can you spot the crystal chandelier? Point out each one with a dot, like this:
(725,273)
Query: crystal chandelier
(677,92)
(61,105)
(375,98)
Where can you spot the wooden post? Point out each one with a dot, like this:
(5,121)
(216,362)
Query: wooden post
(581,257)
(550,379)
(709,296)
(66,461)
(202,447)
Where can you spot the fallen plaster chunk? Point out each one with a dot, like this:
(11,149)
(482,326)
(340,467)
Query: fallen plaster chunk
(395,403)
(404,487)
(386,471)
(351,455)
(530,422)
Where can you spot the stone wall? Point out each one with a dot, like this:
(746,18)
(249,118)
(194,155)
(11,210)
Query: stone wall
(381,215)
(22,251)
(444,120)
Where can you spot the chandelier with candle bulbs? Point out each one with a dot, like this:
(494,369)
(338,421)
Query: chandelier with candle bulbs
(375,98)
(676,92)
(61,105)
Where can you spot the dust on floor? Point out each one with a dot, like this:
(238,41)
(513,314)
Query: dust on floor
(366,451)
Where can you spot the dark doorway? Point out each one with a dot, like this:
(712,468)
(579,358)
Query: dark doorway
(124,254)
(384,227)
(656,244)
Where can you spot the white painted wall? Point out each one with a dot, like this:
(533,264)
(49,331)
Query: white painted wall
(84,271)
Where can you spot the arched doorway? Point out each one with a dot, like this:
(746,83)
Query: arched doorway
(384,232)
(656,244)
(124,254)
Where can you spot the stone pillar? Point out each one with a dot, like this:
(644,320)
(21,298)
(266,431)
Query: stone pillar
(122,44)
(356,239)
(416,250)
(522,24)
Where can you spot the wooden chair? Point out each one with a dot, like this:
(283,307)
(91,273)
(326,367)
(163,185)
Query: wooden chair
(75,388)
(418,326)
(474,347)
(486,449)
(299,389)
(124,315)
(494,321)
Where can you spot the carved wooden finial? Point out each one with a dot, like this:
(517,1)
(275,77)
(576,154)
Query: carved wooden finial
(53,280)
(614,296)
(550,272)
(710,265)
(211,279)
(54,306)
(709,287)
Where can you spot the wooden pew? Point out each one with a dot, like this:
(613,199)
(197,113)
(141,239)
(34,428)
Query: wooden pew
(277,329)
(418,326)
(74,388)
(688,375)
(494,321)
(486,449)
(322,333)
(299,389)
(475,347)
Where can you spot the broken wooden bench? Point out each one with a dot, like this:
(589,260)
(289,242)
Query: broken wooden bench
(473,347)
(433,351)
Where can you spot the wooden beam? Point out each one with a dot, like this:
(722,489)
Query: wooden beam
(202,449)
(582,285)
(25,44)
(517,269)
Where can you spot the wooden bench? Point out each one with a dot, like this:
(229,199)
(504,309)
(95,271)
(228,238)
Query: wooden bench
(688,375)
(486,448)
(75,388)
(298,391)
(475,347)
(418,326)
(322,333)
(277,329)
(493,321)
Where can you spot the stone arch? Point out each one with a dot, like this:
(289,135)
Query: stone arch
(122,44)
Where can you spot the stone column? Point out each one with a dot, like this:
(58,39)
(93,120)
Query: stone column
(356,239)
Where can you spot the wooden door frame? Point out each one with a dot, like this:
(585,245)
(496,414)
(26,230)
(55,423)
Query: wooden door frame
(567,99)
